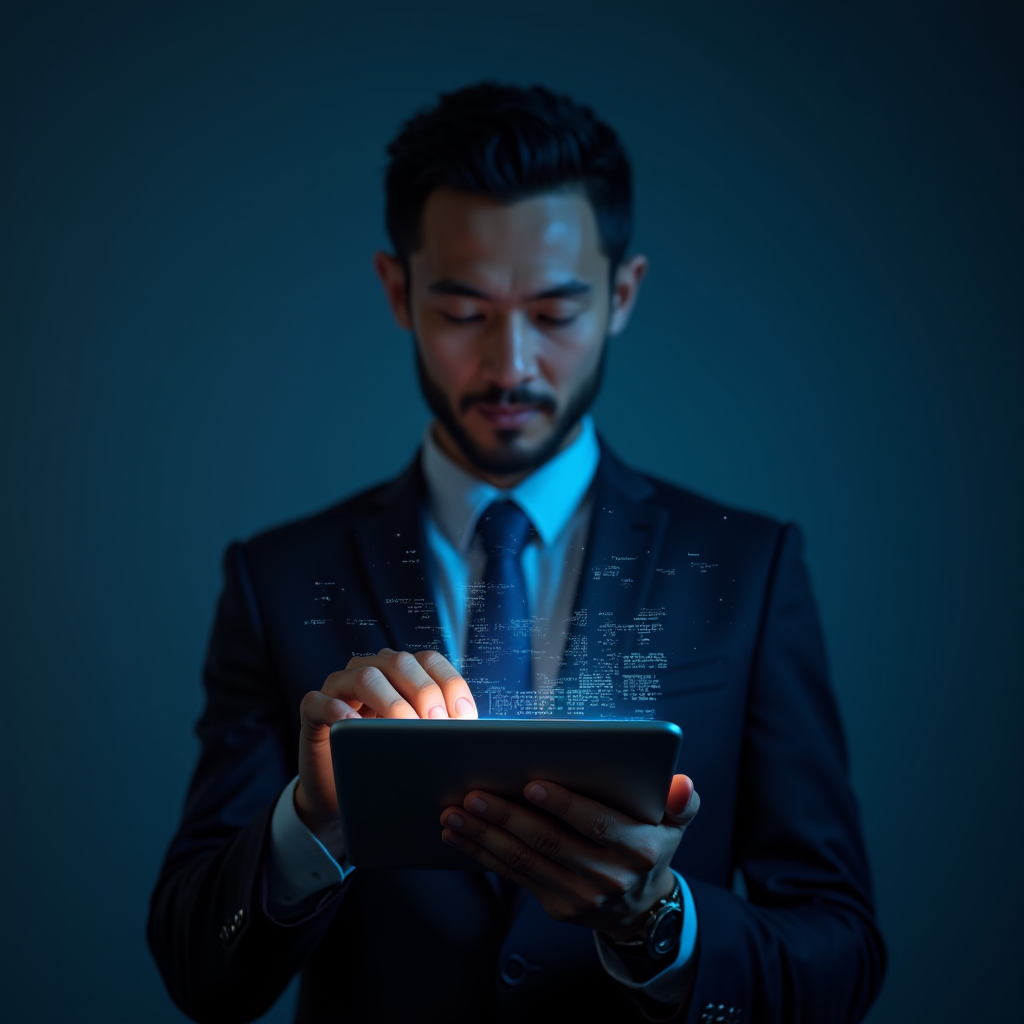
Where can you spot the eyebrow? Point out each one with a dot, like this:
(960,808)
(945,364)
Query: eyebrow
(566,290)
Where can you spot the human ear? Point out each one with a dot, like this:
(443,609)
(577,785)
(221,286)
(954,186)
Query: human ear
(392,276)
(625,289)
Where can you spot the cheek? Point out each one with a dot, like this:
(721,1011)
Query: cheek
(449,360)
(571,359)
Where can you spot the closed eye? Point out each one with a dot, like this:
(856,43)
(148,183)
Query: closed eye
(473,318)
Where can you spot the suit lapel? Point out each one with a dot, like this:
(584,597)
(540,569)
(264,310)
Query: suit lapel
(610,612)
(393,552)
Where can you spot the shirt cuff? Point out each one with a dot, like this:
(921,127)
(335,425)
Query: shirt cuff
(669,985)
(299,867)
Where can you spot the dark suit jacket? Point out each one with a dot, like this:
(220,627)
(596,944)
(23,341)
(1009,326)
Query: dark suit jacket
(720,597)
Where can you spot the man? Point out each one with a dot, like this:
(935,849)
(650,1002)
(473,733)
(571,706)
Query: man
(516,568)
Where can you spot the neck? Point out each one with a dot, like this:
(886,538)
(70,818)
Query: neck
(503,481)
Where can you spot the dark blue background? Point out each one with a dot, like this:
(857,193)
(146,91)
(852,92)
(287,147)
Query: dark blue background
(194,348)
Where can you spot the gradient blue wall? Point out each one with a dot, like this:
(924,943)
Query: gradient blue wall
(194,348)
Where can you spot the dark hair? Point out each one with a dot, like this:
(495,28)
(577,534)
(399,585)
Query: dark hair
(508,143)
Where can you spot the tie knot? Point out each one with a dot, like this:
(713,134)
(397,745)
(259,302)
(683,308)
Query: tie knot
(504,529)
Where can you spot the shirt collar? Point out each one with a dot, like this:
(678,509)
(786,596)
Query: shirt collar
(549,495)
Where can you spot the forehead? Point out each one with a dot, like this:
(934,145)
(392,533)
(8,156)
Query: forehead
(540,239)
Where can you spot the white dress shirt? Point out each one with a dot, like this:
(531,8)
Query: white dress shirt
(557,500)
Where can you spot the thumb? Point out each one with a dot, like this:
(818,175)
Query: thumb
(683,802)
(318,712)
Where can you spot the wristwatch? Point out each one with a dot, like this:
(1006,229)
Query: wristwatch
(661,930)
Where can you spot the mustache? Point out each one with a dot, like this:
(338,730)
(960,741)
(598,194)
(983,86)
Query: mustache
(517,396)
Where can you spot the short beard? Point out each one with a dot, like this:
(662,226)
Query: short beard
(508,463)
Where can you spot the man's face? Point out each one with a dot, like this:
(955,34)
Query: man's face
(510,306)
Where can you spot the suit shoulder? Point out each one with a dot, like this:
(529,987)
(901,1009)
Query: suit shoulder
(690,506)
(684,505)
(312,532)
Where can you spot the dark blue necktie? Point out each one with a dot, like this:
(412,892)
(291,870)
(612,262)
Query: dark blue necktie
(499,641)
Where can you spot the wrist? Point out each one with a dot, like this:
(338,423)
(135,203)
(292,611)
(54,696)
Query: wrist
(660,929)
(325,826)
(664,890)
(633,927)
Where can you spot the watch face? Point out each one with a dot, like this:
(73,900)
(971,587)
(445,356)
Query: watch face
(666,932)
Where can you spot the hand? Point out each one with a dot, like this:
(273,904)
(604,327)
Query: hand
(391,684)
(586,863)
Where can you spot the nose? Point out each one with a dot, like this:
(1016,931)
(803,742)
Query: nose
(509,356)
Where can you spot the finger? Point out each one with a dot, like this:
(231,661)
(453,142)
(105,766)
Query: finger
(556,906)
(367,685)
(316,795)
(508,855)
(319,711)
(491,862)
(408,678)
(595,821)
(457,694)
(683,802)
(505,827)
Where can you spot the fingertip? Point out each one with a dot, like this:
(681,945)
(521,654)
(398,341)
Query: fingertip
(465,708)
(680,793)
(337,710)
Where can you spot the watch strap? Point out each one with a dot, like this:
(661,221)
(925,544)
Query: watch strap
(641,946)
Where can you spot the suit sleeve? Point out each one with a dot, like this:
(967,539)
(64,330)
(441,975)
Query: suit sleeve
(804,946)
(221,956)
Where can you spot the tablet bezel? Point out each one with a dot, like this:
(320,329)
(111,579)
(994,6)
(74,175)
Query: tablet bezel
(394,777)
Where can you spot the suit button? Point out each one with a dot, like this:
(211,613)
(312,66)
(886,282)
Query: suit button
(515,969)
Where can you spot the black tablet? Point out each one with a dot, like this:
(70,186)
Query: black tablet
(394,777)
